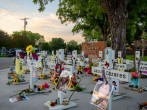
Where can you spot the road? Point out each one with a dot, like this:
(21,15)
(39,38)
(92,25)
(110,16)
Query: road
(6,62)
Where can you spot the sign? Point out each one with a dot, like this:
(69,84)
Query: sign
(69,68)
(143,63)
(68,62)
(122,76)
(120,67)
(96,70)
(119,54)
(143,67)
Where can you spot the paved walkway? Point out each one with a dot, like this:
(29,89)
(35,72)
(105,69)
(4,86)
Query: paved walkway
(36,102)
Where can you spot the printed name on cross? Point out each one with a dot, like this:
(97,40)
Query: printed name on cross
(121,66)
(143,63)
(143,68)
(122,76)
(68,69)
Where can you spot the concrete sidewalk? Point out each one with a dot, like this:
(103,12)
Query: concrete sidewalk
(36,102)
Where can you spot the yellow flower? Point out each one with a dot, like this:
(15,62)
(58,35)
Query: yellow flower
(29,49)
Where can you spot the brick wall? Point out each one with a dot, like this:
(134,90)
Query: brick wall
(91,49)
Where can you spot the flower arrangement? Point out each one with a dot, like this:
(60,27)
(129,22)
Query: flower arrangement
(134,78)
(134,74)
(30,49)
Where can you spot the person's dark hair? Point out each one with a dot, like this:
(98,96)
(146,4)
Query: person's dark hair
(114,82)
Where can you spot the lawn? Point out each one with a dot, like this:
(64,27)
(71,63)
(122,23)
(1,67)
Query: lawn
(131,57)
(3,55)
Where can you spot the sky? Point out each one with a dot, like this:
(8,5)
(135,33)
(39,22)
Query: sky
(45,23)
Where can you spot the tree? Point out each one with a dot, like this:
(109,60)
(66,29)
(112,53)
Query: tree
(4,39)
(31,38)
(45,46)
(116,11)
(137,20)
(87,15)
(117,15)
(57,43)
(72,45)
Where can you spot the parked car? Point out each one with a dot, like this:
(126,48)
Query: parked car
(12,52)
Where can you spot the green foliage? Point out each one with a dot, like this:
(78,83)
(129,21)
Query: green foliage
(73,45)
(31,39)
(57,43)
(131,57)
(87,15)
(42,4)
(90,18)
(45,46)
(137,20)
(132,70)
(4,39)
(3,55)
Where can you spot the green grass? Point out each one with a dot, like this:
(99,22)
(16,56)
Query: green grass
(3,55)
(131,57)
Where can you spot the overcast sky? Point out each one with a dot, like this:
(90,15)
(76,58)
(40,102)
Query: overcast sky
(45,23)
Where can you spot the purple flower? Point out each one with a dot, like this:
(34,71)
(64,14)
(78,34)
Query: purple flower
(35,57)
(21,55)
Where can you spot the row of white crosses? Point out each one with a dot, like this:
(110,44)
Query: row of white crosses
(60,57)
(68,68)
(141,66)
(71,62)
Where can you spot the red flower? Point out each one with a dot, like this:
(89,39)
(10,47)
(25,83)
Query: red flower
(134,74)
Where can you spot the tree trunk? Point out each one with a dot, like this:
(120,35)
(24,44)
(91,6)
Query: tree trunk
(117,15)
(104,27)
(104,37)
